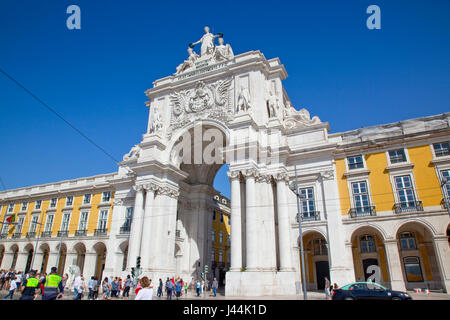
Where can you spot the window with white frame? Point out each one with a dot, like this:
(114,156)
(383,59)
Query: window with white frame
(5,226)
(65,222)
(308,203)
(87,198)
(446,175)
(397,156)
(128,217)
(220,237)
(213,235)
(320,247)
(367,243)
(355,162)
(405,191)
(24,206)
(53,202)
(441,149)
(102,220)
(38,204)
(360,197)
(49,223)
(413,269)
(19,225)
(106,196)
(407,241)
(69,201)
(11,207)
(220,256)
(33,224)
(83,221)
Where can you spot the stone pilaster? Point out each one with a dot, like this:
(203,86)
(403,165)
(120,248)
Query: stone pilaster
(251,221)
(236,229)
(283,223)
(136,228)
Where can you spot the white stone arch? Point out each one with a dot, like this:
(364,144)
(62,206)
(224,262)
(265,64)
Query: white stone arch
(79,246)
(13,247)
(376,226)
(309,230)
(430,228)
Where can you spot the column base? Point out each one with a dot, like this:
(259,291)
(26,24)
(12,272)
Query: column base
(257,284)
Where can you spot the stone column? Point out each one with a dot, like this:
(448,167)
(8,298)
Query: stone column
(236,230)
(394,265)
(90,263)
(136,228)
(117,221)
(147,226)
(442,252)
(283,224)
(251,221)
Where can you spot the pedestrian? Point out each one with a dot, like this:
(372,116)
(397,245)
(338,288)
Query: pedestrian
(42,281)
(114,288)
(53,288)
(64,280)
(127,287)
(160,288)
(91,285)
(106,288)
(96,286)
(169,287)
(178,288)
(198,288)
(327,288)
(146,292)
(30,286)
(12,288)
(335,286)
(77,287)
(19,279)
(214,286)
(186,286)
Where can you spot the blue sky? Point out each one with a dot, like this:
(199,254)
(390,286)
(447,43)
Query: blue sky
(96,77)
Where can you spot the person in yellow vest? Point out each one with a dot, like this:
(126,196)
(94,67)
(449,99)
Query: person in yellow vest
(30,286)
(53,287)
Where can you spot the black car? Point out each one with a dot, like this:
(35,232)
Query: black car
(367,291)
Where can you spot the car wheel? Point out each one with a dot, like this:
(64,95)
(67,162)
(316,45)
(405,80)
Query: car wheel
(396,298)
(349,298)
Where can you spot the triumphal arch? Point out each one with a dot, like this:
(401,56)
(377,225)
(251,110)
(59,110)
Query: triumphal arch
(220,108)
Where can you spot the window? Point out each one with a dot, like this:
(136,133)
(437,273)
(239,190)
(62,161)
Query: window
(405,192)
(65,222)
(48,223)
(87,199)
(355,162)
(308,204)
(38,204)
(361,197)
(69,201)
(441,149)
(19,225)
(103,219)
(367,243)
(397,156)
(5,226)
(446,174)
(213,235)
(228,240)
(320,247)
(53,202)
(214,216)
(24,206)
(220,256)
(412,269)
(128,217)
(229,220)
(407,241)
(213,255)
(11,207)
(221,217)
(34,221)
(220,237)
(83,221)
(106,196)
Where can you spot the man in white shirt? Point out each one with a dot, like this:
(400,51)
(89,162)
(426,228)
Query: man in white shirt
(77,287)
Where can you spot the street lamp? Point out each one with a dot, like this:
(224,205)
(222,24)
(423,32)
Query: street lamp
(294,188)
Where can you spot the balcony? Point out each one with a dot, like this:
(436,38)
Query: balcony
(46,234)
(100,232)
(80,233)
(31,234)
(408,206)
(125,229)
(3,236)
(309,216)
(63,233)
(17,235)
(366,211)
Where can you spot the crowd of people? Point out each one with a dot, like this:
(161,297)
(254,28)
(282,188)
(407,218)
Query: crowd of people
(34,284)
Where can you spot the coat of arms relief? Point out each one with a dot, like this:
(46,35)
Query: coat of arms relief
(204,101)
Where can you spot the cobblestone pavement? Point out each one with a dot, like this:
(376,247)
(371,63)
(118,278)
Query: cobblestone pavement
(221,296)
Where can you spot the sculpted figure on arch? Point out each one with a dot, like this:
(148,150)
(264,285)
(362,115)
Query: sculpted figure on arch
(207,42)
(189,63)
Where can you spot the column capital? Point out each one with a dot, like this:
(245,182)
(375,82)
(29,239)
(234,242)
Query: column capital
(150,187)
(168,191)
(138,188)
(118,202)
(327,174)
(250,173)
(234,175)
(263,178)
(281,177)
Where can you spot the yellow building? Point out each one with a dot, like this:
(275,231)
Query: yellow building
(220,238)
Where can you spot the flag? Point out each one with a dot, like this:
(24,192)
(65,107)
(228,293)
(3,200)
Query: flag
(11,219)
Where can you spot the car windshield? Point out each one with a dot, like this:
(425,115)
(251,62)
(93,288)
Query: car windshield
(363,286)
